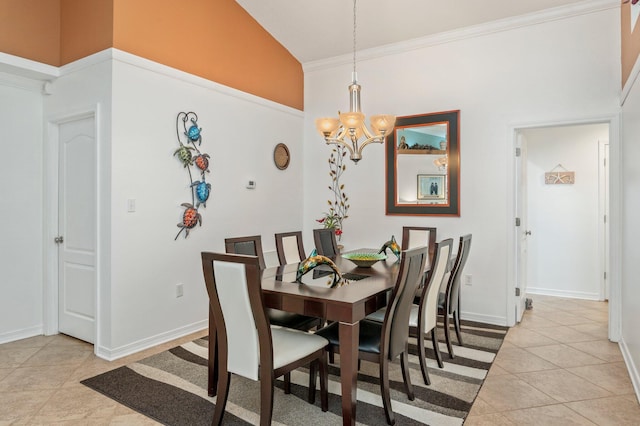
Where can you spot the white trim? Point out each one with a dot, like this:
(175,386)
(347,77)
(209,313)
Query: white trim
(486,319)
(545,291)
(547,15)
(149,342)
(633,76)
(149,65)
(23,333)
(50,219)
(615,200)
(27,68)
(631,367)
(20,82)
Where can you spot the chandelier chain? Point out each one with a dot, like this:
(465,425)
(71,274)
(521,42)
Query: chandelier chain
(354,40)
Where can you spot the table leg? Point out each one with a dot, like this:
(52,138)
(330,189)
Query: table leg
(212,370)
(349,342)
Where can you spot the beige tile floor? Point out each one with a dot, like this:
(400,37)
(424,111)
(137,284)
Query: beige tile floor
(555,368)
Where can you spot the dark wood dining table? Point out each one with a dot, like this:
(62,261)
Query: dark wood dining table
(364,291)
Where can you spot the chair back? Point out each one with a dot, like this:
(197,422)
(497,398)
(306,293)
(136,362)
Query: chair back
(416,236)
(395,332)
(325,240)
(289,247)
(428,314)
(251,246)
(453,287)
(235,297)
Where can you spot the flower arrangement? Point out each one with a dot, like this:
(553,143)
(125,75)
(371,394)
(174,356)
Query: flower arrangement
(339,206)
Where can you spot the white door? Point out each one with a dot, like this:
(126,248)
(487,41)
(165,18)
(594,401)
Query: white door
(77,229)
(603,232)
(521,226)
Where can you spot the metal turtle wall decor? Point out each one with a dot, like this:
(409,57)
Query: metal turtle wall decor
(189,155)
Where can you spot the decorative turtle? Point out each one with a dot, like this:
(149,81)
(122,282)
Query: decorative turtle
(392,245)
(190,218)
(194,132)
(315,260)
(202,162)
(184,154)
(202,192)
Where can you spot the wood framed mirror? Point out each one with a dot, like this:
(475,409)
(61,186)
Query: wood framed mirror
(423,165)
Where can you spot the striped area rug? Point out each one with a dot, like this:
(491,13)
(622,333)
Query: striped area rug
(170,387)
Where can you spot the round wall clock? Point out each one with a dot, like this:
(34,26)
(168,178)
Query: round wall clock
(281,156)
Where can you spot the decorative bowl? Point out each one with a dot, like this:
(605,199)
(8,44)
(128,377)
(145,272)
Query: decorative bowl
(364,260)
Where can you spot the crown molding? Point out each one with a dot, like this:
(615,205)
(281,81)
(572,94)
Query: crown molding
(547,15)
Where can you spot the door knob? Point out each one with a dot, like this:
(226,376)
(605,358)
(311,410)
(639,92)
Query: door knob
(59,239)
(527,233)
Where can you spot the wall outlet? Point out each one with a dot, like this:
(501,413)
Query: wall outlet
(179,290)
(467,280)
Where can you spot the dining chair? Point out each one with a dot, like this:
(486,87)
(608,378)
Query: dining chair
(449,300)
(424,317)
(384,342)
(416,236)
(289,247)
(325,241)
(252,246)
(247,345)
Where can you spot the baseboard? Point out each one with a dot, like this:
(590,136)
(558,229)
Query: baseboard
(631,367)
(563,293)
(487,319)
(25,333)
(140,345)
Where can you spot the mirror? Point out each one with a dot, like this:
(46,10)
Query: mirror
(423,165)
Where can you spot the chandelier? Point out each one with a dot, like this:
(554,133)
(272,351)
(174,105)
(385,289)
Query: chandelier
(350,128)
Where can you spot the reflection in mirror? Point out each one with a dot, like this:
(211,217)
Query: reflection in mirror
(423,165)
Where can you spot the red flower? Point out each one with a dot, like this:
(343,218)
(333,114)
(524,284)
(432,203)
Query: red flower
(338,232)
(320,220)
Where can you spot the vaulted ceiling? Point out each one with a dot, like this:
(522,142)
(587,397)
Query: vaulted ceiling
(318,29)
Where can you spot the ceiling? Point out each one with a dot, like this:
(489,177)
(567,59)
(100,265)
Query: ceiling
(313,30)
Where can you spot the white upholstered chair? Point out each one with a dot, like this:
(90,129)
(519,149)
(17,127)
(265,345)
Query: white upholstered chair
(247,344)
(289,247)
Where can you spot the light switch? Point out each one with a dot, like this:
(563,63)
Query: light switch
(131,205)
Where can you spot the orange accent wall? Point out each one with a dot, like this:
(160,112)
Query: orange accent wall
(217,40)
(86,27)
(214,39)
(31,29)
(630,42)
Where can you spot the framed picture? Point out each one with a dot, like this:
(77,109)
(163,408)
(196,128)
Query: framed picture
(431,187)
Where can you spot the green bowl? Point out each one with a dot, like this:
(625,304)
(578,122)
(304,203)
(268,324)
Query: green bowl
(364,260)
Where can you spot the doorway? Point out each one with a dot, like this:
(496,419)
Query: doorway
(71,226)
(553,254)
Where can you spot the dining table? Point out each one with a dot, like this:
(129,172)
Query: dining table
(361,291)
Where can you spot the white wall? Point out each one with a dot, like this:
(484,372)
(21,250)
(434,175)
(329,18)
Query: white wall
(630,342)
(20,209)
(564,69)
(563,249)
(239,132)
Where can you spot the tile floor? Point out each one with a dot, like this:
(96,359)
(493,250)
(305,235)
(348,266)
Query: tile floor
(555,368)
(558,368)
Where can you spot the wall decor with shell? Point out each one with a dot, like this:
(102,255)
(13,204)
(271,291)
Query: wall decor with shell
(190,156)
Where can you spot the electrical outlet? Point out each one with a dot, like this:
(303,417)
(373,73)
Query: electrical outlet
(179,290)
(467,280)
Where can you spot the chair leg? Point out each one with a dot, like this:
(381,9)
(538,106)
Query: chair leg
(266,398)
(324,383)
(436,347)
(224,378)
(384,390)
(422,358)
(447,335)
(287,383)
(404,364)
(456,323)
(312,382)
